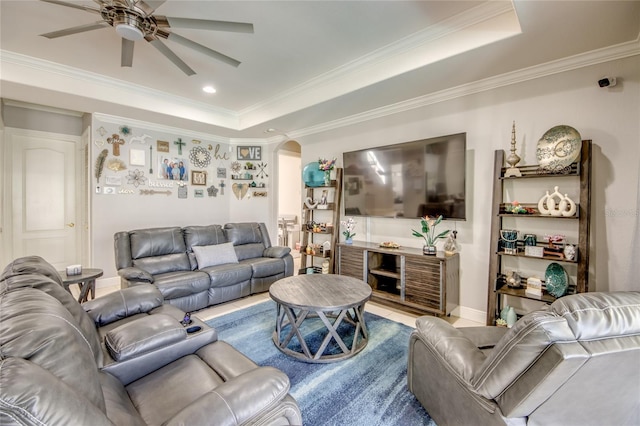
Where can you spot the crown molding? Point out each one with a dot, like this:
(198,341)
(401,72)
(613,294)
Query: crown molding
(607,54)
(109,89)
(113,119)
(463,32)
(43,108)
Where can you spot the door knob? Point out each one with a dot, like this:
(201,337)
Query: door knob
(71,225)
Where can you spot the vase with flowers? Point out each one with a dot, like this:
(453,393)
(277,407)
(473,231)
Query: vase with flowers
(429,233)
(326,166)
(349,227)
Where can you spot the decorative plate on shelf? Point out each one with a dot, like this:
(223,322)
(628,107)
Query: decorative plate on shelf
(556,280)
(558,148)
(312,175)
(389,244)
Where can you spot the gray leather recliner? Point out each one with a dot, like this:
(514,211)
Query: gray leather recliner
(575,363)
(128,361)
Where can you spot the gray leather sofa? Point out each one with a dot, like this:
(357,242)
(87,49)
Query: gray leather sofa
(575,363)
(199,266)
(127,361)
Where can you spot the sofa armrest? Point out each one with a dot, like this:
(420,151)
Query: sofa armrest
(143,335)
(134,274)
(276,251)
(123,303)
(459,353)
(237,401)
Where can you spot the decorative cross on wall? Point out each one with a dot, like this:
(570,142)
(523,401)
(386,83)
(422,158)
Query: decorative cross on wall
(116,142)
(180,145)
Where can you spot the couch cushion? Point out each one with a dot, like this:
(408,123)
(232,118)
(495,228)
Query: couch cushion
(120,409)
(53,289)
(31,265)
(159,250)
(36,327)
(243,233)
(518,349)
(165,392)
(265,266)
(203,235)
(228,274)
(32,395)
(600,315)
(165,263)
(181,283)
(156,242)
(216,254)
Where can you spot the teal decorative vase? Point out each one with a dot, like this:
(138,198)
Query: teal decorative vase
(327,177)
(503,312)
(511,317)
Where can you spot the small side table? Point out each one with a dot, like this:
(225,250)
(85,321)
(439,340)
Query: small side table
(86,281)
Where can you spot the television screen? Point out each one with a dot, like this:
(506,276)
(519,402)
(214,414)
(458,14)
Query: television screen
(411,179)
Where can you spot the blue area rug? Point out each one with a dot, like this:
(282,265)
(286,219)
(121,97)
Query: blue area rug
(368,389)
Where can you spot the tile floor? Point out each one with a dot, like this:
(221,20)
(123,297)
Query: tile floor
(225,308)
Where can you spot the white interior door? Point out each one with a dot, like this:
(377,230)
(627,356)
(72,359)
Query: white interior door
(44,196)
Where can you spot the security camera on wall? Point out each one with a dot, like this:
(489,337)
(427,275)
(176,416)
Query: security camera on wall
(607,82)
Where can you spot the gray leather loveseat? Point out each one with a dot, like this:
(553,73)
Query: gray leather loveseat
(199,266)
(128,361)
(575,363)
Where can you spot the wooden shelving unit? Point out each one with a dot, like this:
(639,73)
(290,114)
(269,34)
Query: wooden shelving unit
(330,214)
(580,170)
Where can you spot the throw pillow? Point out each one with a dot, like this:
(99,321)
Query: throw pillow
(216,254)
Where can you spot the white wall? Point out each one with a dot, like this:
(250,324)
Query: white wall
(610,117)
(111,213)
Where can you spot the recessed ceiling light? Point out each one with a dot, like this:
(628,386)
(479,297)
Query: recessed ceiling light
(209,89)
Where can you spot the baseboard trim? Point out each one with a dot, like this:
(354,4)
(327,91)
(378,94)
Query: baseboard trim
(470,314)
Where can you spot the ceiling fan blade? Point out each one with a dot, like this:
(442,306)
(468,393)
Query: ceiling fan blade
(76,30)
(203,24)
(203,49)
(73,5)
(149,6)
(172,56)
(126,57)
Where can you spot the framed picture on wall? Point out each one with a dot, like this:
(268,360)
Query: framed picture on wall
(198,177)
(172,168)
(136,157)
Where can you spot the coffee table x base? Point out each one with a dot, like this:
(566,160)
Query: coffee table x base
(287,316)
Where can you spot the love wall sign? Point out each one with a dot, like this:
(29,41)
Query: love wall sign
(249,153)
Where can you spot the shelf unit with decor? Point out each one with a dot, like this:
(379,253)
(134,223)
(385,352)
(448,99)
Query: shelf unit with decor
(498,287)
(328,213)
(404,278)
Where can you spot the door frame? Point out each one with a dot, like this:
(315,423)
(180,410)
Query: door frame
(81,204)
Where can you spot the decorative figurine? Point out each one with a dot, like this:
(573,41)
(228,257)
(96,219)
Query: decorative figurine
(513,158)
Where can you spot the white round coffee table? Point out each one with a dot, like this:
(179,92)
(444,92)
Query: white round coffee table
(333,299)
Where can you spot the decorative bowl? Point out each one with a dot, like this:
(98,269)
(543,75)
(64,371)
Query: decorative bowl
(556,280)
(558,148)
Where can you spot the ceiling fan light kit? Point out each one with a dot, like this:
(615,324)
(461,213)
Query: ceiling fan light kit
(129,32)
(134,20)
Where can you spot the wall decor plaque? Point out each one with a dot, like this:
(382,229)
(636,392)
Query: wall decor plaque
(249,153)
(162,146)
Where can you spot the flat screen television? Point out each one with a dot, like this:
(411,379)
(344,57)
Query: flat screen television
(411,179)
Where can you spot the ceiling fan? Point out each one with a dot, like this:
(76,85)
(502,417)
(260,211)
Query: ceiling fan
(134,20)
